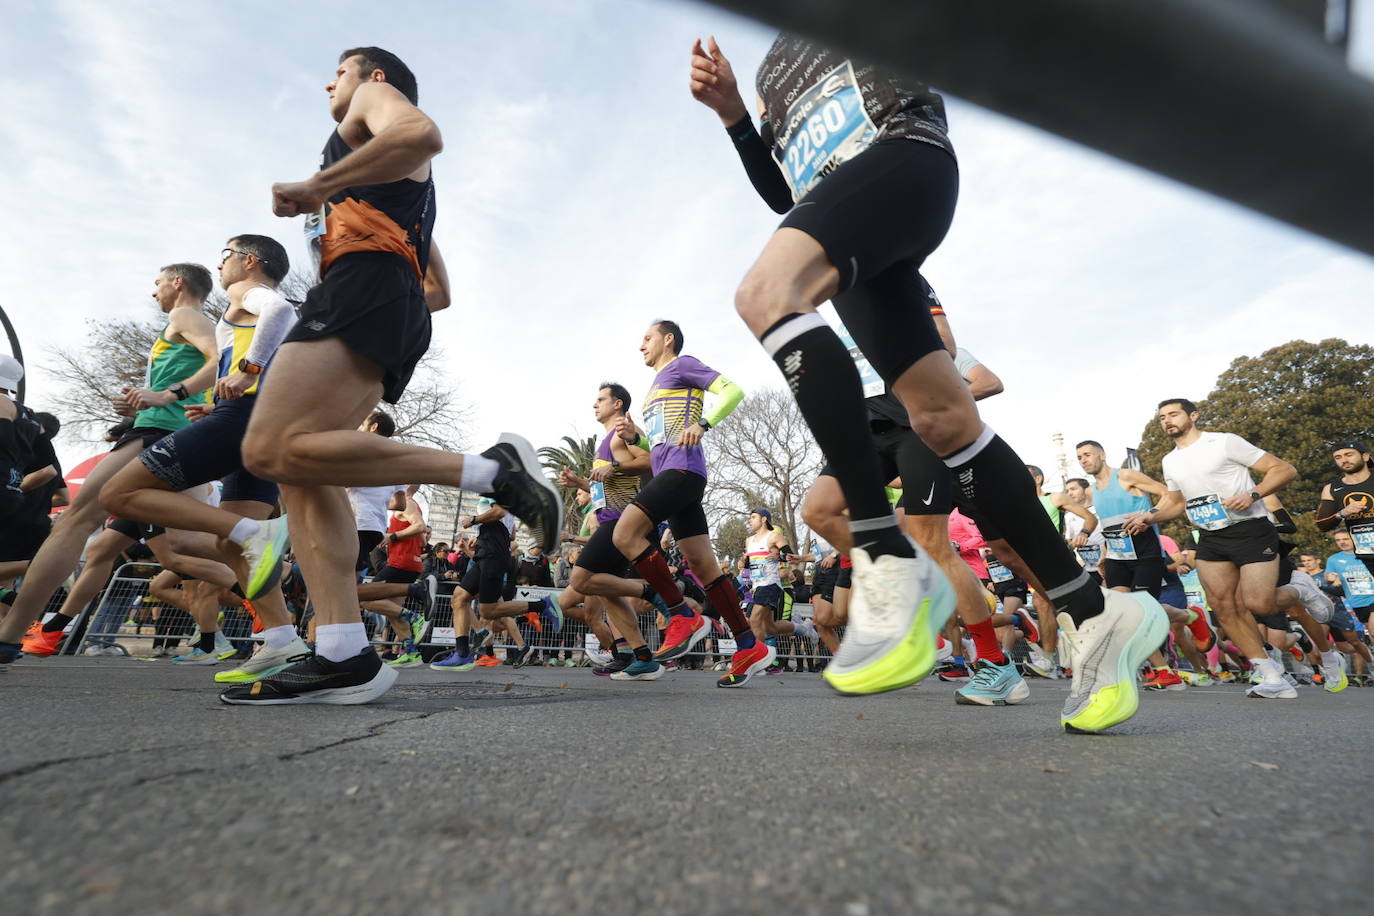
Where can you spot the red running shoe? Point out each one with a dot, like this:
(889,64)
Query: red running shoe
(746,663)
(1027,626)
(1164,679)
(36,642)
(683,633)
(1203,636)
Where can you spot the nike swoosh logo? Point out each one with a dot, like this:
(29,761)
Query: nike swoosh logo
(930,495)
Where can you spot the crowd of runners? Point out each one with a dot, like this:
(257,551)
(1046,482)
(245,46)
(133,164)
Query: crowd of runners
(257,446)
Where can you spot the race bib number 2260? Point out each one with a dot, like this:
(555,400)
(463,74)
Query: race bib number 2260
(826,126)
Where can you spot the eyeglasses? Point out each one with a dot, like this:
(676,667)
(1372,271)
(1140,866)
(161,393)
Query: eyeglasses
(229,252)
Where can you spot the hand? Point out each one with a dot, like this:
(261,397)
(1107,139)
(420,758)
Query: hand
(713,82)
(602,473)
(1358,506)
(1079,540)
(691,436)
(196,412)
(828,562)
(1137,523)
(1238,503)
(122,407)
(232,387)
(142,398)
(626,430)
(793,557)
(297,197)
(568,479)
(465,521)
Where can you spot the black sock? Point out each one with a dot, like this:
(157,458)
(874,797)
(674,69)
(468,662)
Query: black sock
(7,595)
(647,593)
(206,643)
(991,477)
(462,646)
(535,606)
(825,383)
(237,590)
(642,654)
(58,622)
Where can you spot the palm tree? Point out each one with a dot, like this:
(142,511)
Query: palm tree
(576,455)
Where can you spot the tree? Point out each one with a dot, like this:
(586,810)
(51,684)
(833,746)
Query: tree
(577,456)
(729,537)
(1293,401)
(763,455)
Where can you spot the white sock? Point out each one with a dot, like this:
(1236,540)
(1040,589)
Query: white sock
(1332,658)
(244,529)
(478,473)
(339,642)
(279,637)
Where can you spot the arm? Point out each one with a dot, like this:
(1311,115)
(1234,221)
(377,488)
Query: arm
(415,523)
(1283,522)
(275,318)
(1277,474)
(632,458)
(1166,510)
(983,382)
(728,397)
(62,497)
(758,164)
(1068,505)
(1143,482)
(490,515)
(194,328)
(401,141)
(1328,513)
(35,479)
(437,291)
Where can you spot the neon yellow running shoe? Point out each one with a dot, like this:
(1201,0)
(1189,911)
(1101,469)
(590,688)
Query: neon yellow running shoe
(1108,650)
(264,551)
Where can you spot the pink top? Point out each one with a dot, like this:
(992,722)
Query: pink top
(968,541)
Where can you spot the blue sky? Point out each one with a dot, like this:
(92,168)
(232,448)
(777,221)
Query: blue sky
(582,193)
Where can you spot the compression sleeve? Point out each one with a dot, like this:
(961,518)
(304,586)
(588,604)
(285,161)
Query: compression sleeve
(728,397)
(275,318)
(759,165)
(1283,522)
(1327,517)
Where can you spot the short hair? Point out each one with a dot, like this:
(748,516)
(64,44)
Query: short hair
(1187,405)
(267,250)
(1093,442)
(620,393)
(386,426)
(195,276)
(397,73)
(1035,471)
(1078,480)
(49,422)
(668,326)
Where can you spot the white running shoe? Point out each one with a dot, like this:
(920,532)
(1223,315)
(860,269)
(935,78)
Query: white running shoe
(1333,672)
(266,662)
(599,657)
(1316,603)
(1107,651)
(805,628)
(1272,684)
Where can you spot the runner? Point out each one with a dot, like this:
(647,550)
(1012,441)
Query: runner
(865,156)
(361,333)
(400,578)
(41,487)
(1349,499)
(765,549)
(181,365)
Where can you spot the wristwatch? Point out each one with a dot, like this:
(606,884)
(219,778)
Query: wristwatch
(1255,496)
(614,463)
(704,423)
(250,368)
(179,391)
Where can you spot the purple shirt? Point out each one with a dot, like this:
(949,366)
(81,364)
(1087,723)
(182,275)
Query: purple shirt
(675,402)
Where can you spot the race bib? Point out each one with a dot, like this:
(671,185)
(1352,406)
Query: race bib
(998,573)
(598,491)
(1119,543)
(1363,536)
(1360,583)
(653,423)
(1090,555)
(314,238)
(872,382)
(826,127)
(1207,512)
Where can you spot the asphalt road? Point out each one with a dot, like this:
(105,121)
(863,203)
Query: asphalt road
(125,786)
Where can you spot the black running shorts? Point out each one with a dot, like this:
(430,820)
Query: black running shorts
(927,484)
(489,580)
(823,582)
(209,449)
(374,302)
(136,531)
(845,579)
(768,596)
(675,496)
(20,540)
(396,576)
(143,435)
(600,555)
(1143,575)
(1251,541)
(367,542)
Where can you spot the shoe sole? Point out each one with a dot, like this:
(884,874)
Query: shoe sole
(338,696)
(452,667)
(753,669)
(555,618)
(647,676)
(1123,696)
(1345,682)
(248,677)
(1290,694)
(530,464)
(910,660)
(692,640)
(1018,694)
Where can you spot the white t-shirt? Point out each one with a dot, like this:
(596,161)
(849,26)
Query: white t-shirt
(1214,468)
(369,506)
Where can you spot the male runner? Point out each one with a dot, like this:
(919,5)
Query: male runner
(866,158)
(1349,499)
(765,549)
(400,578)
(181,365)
(149,490)
(361,333)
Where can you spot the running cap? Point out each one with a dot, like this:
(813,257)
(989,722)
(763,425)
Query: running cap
(1347,443)
(11,371)
(768,516)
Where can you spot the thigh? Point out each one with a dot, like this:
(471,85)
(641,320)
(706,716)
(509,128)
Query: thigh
(1257,584)
(1219,580)
(667,494)
(792,266)
(315,386)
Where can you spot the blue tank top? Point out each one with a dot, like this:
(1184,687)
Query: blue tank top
(1113,500)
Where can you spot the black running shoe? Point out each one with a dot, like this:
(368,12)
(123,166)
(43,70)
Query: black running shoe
(521,657)
(360,679)
(521,487)
(619,662)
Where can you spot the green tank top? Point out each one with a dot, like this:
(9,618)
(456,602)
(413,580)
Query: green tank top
(1053,511)
(169,363)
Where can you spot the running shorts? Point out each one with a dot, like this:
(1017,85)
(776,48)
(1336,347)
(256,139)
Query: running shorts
(927,484)
(600,555)
(675,496)
(396,576)
(209,449)
(1251,541)
(367,542)
(1143,575)
(1174,597)
(20,541)
(372,301)
(489,580)
(845,579)
(823,582)
(1341,622)
(143,435)
(769,596)
(136,531)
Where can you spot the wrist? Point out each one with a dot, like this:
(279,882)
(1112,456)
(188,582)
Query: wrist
(734,114)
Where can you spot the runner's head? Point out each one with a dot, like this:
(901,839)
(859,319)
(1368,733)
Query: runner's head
(1091,456)
(252,257)
(368,65)
(181,284)
(1350,456)
(1077,488)
(612,400)
(1038,476)
(1177,416)
(397,501)
(1343,541)
(11,371)
(760,520)
(379,422)
(662,342)
(1311,564)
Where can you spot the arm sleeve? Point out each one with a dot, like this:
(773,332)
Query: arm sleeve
(1327,519)
(965,362)
(275,318)
(759,165)
(728,397)
(1283,522)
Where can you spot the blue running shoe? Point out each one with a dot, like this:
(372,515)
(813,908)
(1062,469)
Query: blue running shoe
(455,662)
(552,613)
(993,685)
(640,670)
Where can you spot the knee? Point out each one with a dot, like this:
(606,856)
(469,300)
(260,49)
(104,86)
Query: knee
(761,300)
(269,457)
(578,580)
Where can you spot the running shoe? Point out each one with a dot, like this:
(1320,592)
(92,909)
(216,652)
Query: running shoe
(37,642)
(954,671)
(520,657)
(620,662)
(1026,624)
(224,649)
(454,662)
(805,628)
(896,608)
(944,649)
(521,487)
(532,618)
(488,661)
(423,590)
(746,663)
(265,663)
(1166,679)
(639,670)
(598,656)
(1039,663)
(263,552)
(1268,682)
(1203,637)
(1224,677)
(553,613)
(1107,652)
(480,639)
(360,679)
(683,633)
(1334,679)
(993,685)
(407,660)
(774,668)
(197,656)
(419,625)
(10,653)
(1196,678)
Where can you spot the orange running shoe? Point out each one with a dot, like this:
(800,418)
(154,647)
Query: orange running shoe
(36,642)
(746,663)
(532,618)
(683,633)
(488,661)
(1027,625)
(253,612)
(1165,679)
(1203,637)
